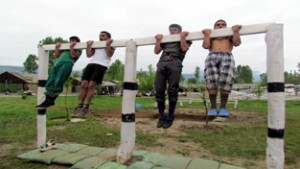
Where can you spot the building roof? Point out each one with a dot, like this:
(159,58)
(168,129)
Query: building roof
(18,77)
(21,77)
(108,83)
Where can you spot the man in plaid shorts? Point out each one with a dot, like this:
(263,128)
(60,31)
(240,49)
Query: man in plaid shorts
(220,66)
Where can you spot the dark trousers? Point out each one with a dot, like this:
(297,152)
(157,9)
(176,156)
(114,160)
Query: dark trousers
(168,73)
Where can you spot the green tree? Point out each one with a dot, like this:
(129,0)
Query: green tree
(182,79)
(67,85)
(50,40)
(115,71)
(287,77)
(30,64)
(291,77)
(192,81)
(146,79)
(258,91)
(76,74)
(244,74)
(263,79)
(196,78)
(197,74)
(203,97)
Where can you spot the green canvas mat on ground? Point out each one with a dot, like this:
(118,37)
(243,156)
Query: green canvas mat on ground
(79,156)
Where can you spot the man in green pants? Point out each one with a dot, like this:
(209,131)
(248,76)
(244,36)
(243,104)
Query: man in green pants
(60,71)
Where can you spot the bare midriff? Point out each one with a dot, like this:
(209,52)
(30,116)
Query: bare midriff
(221,45)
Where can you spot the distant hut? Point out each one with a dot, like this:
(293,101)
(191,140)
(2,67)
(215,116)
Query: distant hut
(108,88)
(16,82)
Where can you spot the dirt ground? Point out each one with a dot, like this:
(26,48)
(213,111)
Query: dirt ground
(185,119)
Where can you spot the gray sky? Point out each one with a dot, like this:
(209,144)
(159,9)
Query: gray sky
(25,23)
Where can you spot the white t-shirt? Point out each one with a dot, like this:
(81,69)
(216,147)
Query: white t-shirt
(100,57)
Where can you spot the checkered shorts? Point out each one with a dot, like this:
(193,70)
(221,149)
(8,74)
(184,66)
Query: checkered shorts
(219,69)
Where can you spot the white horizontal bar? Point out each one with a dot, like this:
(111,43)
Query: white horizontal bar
(246,30)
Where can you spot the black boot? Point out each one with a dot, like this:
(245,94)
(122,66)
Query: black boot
(161,110)
(170,118)
(49,101)
(172,106)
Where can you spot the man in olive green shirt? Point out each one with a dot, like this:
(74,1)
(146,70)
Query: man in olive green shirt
(61,71)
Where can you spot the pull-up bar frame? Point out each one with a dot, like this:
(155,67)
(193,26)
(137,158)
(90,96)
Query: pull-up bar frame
(275,73)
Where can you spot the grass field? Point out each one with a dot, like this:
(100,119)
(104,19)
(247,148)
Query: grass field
(242,139)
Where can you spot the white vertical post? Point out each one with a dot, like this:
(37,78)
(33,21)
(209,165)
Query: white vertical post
(43,57)
(128,104)
(235,102)
(276,98)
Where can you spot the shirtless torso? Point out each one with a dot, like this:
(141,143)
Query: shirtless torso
(221,45)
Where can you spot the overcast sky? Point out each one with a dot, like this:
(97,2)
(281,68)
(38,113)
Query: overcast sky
(24,23)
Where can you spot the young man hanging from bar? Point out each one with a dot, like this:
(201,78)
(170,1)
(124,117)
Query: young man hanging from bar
(60,72)
(220,66)
(169,68)
(94,72)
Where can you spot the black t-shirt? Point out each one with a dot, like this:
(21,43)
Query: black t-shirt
(173,49)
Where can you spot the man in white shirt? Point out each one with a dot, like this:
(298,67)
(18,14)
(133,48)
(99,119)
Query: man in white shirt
(94,72)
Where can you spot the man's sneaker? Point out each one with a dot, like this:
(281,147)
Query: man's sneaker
(167,124)
(160,123)
(77,110)
(82,112)
(212,112)
(223,112)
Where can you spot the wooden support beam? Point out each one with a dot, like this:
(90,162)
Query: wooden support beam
(246,30)
(276,97)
